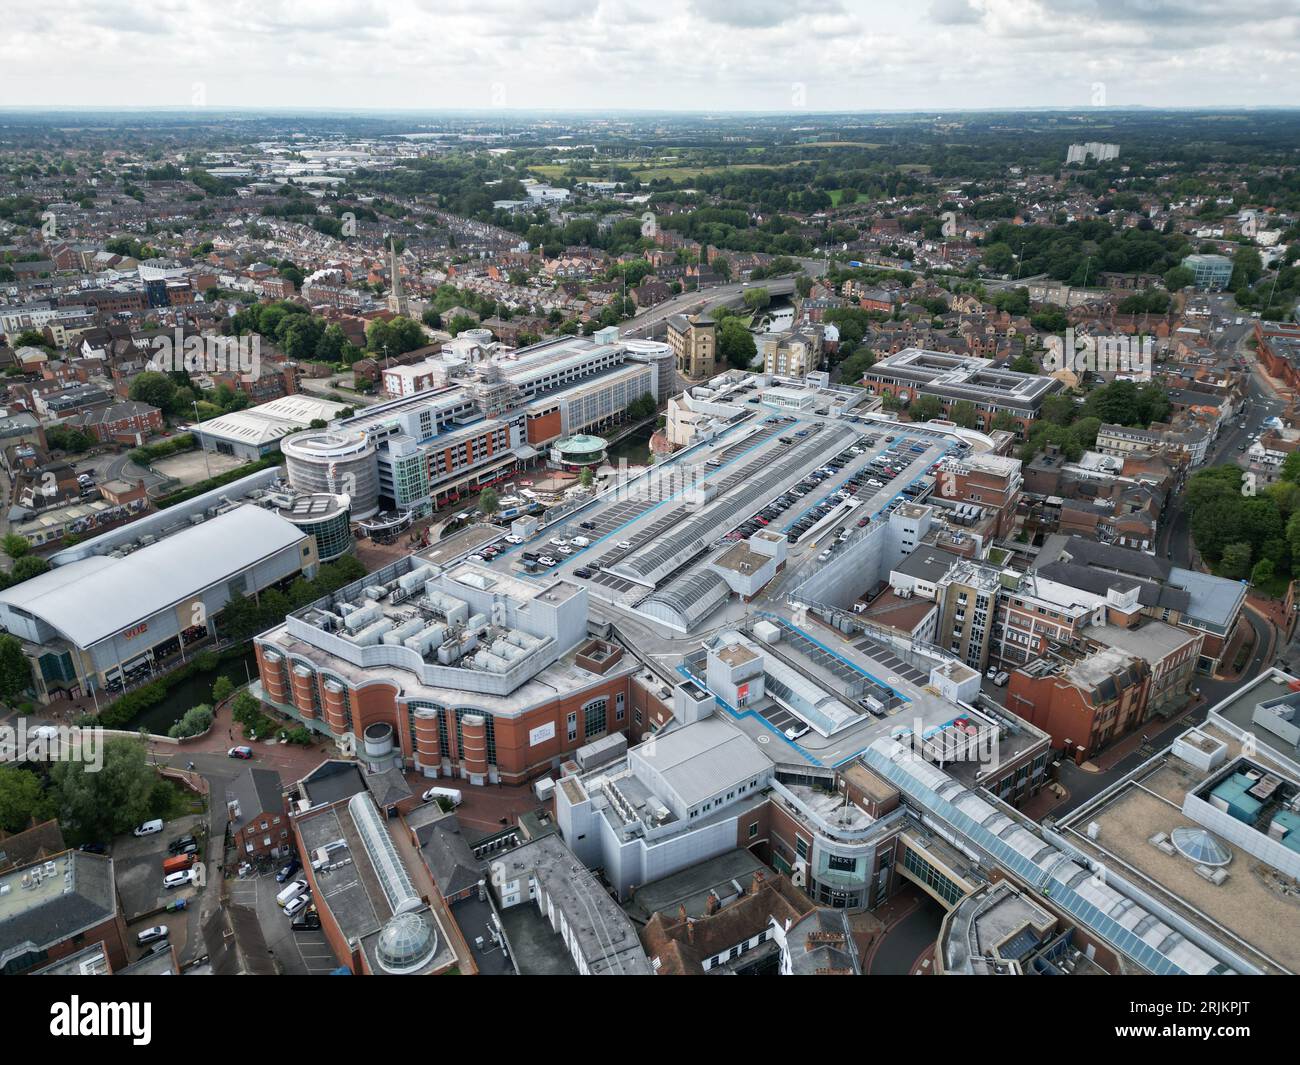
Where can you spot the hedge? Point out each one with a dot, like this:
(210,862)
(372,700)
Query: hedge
(184,494)
(122,710)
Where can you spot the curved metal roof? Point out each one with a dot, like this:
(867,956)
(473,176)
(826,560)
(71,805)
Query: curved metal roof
(94,598)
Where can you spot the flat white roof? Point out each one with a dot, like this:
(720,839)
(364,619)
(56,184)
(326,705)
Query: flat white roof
(270,421)
(96,597)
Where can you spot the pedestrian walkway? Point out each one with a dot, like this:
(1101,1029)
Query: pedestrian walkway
(293,761)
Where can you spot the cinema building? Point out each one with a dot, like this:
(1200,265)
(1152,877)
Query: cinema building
(460,672)
(101,622)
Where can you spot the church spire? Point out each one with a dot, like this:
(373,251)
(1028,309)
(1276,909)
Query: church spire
(396,293)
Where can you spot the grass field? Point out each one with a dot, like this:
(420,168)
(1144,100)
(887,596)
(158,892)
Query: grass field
(684,172)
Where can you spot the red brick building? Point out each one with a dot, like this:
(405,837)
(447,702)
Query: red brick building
(255,809)
(129,422)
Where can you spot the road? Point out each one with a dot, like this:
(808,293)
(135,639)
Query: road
(646,322)
(906,940)
(651,320)
(1174,540)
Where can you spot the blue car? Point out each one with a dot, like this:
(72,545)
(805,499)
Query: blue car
(288,870)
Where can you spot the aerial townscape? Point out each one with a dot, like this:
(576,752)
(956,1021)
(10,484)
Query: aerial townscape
(679,533)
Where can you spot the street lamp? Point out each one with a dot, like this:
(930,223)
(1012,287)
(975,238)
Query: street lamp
(203,446)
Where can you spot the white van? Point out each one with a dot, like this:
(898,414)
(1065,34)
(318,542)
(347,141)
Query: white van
(291,891)
(452,795)
(149,827)
(580,541)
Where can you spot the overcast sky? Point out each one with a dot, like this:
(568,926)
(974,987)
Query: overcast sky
(765,55)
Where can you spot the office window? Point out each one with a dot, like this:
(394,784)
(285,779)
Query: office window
(593,718)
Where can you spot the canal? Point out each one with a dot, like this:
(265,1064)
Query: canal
(192,691)
(633,448)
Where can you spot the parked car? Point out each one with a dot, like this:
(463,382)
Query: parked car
(546,560)
(151,934)
(240,752)
(295,904)
(795,731)
(149,827)
(93,848)
(583,573)
(287,870)
(308,921)
(291,891)
(181,844)
(175,880)
(624,545)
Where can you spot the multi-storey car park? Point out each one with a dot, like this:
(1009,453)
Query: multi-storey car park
(661,551)
(484,416)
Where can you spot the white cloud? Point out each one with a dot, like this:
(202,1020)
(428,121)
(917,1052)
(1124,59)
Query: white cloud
(674,55)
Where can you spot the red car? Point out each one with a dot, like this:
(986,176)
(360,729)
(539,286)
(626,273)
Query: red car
(240,752)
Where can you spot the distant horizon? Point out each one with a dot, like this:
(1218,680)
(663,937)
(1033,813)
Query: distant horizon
(759,57)
(587,111)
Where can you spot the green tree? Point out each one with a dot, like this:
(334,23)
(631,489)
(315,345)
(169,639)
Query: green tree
(757,299)
(1178,277)
(15,669)
(586,477)
(222,688)
(1262,573)
(1291,468)
(736,343)
(156,389)
(97,806)
(15,546)
(925,408)
(1236,560)
(963,413)
(489,502)
(22,800)
(1060,408)
(460,323)
(195,720)
(27,567)
(399,335)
